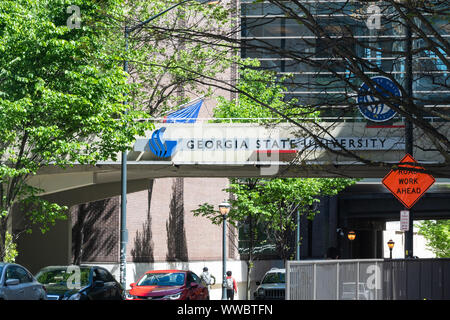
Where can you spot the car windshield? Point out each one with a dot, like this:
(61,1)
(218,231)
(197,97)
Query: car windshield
(274,277)
(64,277)
(162,279)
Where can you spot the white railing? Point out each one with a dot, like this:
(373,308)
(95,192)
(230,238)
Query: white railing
(334,280)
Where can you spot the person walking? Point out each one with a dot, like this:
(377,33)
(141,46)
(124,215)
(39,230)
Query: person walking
(207,279)
(231,286)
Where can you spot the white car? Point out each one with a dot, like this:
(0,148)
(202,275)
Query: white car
(272,286)
(17,283)
(349,291)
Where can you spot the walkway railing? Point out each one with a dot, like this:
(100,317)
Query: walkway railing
(276,120)
(377,279)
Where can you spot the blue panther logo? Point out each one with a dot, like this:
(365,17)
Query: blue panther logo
(370,106)
(162,149)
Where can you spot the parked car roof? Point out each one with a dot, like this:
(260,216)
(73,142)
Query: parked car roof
(65,266)
(5,263)
(166,271)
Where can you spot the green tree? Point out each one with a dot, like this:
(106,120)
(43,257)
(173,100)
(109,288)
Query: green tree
(271,205)
(269,88)
(169,61)
(10,248)
(61,94)
(437,234)
(274,203)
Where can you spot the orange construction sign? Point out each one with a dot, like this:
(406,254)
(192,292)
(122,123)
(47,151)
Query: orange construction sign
(408,185)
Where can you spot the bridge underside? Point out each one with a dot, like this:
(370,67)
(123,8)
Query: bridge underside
(80,184)
(241,150)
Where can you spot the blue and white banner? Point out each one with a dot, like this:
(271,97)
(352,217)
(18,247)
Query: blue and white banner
(187,114)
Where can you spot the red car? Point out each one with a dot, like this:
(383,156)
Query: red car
(168,285)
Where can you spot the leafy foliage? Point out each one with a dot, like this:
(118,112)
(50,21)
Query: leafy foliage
(61,98)
(169,61)
(437,234)
(10,249)
(269,90)
(273,204)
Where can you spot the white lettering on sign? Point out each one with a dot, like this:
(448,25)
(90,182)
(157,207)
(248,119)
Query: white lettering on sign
(254,144)
(350,143)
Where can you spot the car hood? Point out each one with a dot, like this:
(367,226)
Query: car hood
(150,291)
(60,291)
(273,286)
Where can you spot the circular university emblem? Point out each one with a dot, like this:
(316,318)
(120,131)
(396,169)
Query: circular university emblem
(370,106)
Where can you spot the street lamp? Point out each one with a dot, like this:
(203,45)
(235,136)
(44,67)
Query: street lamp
(390,244)
(224,209)
(123,206)
(351,235)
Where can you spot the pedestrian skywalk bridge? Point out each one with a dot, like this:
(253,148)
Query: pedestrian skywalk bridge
(205,149)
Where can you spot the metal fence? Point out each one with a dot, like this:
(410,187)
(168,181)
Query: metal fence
(374,279)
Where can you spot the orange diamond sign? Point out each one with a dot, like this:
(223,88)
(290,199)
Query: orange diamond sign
(408,185)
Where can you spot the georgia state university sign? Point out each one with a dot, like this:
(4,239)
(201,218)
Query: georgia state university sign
(159,147)
(181,142)
(370,106)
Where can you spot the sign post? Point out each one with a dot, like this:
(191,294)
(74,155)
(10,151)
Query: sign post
(408,186)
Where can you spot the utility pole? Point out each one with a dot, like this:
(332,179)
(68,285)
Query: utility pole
(123,198)
(297,238)
(409,125)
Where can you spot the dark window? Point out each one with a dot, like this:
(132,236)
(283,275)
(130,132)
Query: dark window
(274,277)
(194,278)
(63,276)
(15,272)
(102,275)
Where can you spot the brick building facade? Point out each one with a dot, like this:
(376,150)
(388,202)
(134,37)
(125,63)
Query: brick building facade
(160,224)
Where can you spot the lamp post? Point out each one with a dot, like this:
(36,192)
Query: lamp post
(390,245)
(224,209)
(351,236)
(123,205)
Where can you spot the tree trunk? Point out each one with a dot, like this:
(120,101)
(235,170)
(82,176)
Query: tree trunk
(3,226)
(81,219)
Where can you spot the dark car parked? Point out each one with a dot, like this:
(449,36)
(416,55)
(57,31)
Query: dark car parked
(79,283)
(17,283)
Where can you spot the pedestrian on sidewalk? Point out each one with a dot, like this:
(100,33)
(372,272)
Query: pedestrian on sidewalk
(231,286)
(207,279)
